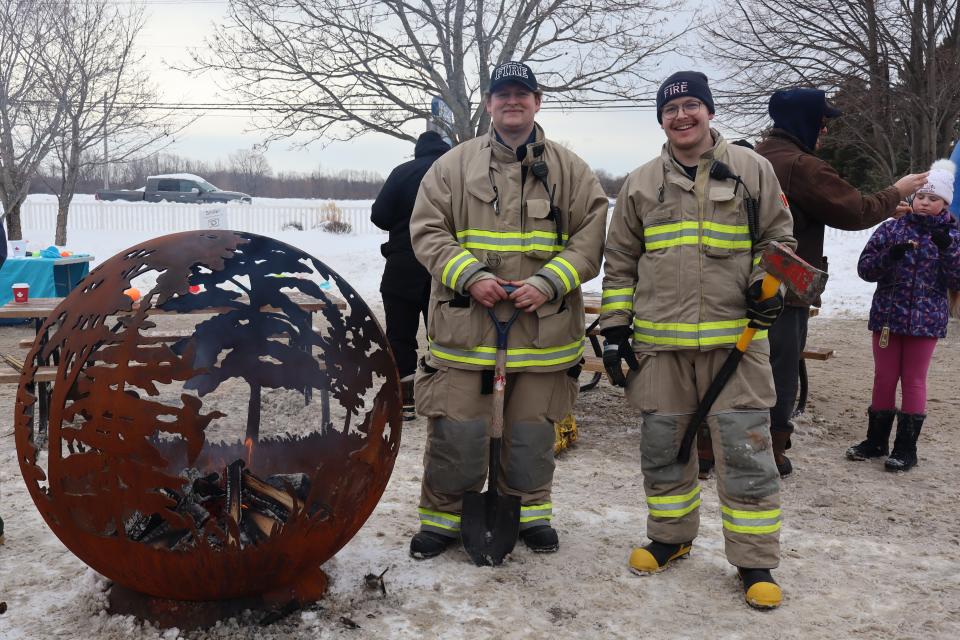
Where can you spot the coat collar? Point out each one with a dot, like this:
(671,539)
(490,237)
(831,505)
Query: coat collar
(488,158)
(675,174)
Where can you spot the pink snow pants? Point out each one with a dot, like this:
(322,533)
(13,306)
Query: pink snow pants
(906,360)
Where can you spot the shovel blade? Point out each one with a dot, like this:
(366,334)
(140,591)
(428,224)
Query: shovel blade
(489,526)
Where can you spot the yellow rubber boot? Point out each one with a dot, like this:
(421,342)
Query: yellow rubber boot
(760,590)
(657,555)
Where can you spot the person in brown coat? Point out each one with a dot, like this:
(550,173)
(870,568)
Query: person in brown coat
(818,198)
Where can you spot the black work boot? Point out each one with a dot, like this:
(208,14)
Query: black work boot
(542,539)
(904,456)
(879,424)
(427,544)
(406,392)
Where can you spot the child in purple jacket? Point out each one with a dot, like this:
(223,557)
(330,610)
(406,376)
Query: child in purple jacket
(914,261)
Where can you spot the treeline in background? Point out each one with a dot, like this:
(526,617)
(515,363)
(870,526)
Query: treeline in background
(247,171)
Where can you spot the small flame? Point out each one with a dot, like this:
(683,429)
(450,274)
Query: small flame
(248,443)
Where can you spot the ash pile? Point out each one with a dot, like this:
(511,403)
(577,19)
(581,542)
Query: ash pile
(229,509)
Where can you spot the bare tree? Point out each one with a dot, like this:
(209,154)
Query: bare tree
(30,111)
(251,168)
(106,94)
(335,69)
(894,65)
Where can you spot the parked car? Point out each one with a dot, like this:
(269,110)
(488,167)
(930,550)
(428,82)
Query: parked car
(175,187)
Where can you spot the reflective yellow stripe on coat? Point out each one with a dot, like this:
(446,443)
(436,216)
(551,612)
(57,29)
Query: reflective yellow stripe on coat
(713,234)
(561,272)
(685,334)
(516,357)
(458,268)
(614,299)
(508,241)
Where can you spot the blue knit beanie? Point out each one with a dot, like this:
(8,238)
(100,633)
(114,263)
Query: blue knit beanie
(800,112)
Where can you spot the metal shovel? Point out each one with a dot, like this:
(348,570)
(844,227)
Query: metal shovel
(490,522)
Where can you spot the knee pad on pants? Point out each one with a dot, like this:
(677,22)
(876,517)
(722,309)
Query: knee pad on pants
(530,461)
(749,468)
(659,445)
(457,455)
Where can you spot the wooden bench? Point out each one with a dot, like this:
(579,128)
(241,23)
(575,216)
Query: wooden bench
(9,375)
(816,353)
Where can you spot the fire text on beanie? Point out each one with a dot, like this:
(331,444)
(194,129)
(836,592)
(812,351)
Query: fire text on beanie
(683,84)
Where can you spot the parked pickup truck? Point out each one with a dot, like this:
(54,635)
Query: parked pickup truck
(175,187)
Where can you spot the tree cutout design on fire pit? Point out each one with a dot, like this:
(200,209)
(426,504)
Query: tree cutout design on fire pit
(199,465)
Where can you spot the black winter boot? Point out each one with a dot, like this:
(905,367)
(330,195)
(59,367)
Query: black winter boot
(427,544)
(904,456)
(879,424)
(542,539)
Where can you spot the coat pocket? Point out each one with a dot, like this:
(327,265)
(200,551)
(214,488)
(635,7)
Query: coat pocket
(558,325)
(429,389)
(540,238)
(726,232)
(457,321)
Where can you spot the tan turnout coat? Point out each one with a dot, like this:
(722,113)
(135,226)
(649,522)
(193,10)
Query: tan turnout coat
(475,219)
(679,257)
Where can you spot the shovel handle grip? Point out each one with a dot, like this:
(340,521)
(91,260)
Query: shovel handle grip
(768,288)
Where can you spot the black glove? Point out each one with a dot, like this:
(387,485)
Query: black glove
(900,249)
(617,348)
(762,313)
(941,238)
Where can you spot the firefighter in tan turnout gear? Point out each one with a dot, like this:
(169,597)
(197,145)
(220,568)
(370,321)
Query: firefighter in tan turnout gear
(509,207)
(682,281)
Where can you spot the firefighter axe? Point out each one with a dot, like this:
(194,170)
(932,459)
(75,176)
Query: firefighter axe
(782,266)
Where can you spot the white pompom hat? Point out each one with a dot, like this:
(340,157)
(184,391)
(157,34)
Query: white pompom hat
(940,180)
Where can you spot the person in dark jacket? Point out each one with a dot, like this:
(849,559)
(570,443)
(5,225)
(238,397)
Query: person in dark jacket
(405,286)
(914,261)
(818,198)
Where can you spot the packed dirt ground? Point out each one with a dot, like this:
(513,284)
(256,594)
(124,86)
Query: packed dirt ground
(866,553)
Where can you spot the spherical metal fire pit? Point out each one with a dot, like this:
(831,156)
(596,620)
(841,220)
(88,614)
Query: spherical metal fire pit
(224,435)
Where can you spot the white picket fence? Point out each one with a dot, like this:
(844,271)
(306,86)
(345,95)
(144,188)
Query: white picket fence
(164,217)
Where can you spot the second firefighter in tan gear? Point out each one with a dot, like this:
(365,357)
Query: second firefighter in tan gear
(682,263)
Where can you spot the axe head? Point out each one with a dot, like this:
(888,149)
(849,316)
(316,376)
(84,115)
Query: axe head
(803,279)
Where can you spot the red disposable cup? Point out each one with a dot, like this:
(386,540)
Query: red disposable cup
(21,292)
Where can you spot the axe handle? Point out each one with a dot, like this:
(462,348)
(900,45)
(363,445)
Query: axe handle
(768,289)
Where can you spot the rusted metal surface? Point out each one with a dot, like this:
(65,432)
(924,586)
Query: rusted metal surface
(202,466)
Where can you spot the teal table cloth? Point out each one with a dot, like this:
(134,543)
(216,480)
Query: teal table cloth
(47,277)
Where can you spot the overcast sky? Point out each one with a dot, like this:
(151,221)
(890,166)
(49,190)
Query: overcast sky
(614,141)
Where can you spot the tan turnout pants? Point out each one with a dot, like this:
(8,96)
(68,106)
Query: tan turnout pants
(666,389)
(457,454)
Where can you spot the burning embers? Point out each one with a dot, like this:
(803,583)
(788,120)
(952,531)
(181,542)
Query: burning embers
(231,509)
